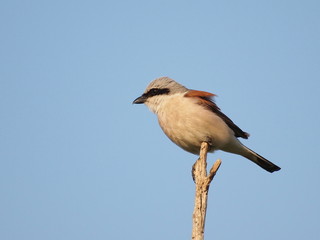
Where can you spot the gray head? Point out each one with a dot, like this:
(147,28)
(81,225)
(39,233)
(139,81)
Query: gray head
(160,86)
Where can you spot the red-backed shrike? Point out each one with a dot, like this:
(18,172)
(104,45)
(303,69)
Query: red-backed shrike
(189,117)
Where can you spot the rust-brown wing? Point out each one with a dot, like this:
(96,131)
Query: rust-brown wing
(205,99)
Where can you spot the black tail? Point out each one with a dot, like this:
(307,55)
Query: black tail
(261,161)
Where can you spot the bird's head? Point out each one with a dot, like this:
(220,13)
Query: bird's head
(158,91)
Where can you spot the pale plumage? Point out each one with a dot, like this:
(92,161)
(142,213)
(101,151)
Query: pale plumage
(190,117)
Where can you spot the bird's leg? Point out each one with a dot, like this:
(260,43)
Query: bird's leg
(209,140)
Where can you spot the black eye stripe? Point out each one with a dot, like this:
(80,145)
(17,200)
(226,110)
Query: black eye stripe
(156,91)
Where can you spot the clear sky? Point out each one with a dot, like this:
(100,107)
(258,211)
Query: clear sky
(79,161)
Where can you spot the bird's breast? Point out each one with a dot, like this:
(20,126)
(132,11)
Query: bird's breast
(188,124)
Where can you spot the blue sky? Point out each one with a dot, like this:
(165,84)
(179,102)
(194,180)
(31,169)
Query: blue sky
(79,161)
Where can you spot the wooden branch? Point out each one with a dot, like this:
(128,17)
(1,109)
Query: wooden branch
(202,181)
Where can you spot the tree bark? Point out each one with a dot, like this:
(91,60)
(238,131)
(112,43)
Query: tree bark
(202,182)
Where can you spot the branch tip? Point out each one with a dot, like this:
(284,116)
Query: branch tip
(214,169)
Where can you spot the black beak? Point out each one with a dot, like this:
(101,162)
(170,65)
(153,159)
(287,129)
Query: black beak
(140,100)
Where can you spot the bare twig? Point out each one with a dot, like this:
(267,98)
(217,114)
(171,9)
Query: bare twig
(202,181)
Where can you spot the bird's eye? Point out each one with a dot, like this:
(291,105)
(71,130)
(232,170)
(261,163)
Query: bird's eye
(157,91)
(154,91)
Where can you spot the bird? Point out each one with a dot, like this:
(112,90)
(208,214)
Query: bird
(189,117)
